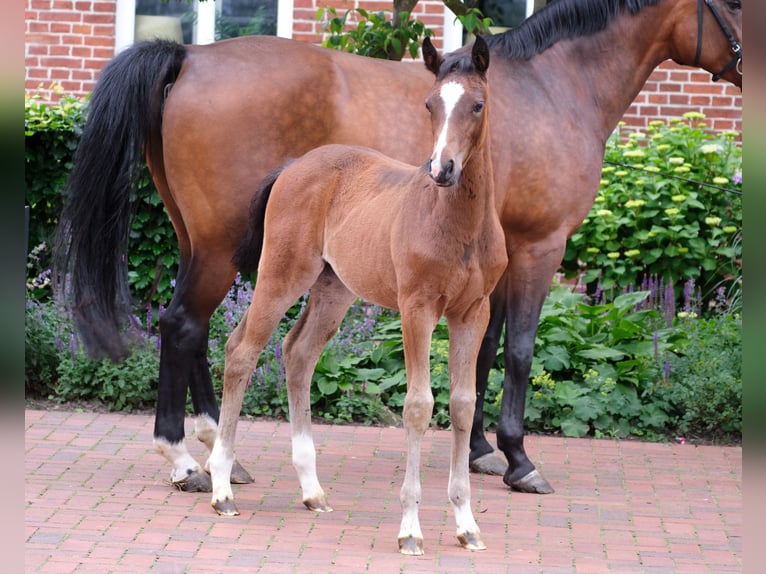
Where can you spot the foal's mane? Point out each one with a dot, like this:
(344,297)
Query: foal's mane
(561,20)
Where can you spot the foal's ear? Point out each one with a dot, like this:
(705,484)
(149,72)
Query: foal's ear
(431,56)
(480,55)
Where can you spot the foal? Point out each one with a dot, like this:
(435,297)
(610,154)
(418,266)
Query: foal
(349,222)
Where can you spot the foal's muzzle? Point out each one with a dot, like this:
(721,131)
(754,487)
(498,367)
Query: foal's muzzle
(443,175)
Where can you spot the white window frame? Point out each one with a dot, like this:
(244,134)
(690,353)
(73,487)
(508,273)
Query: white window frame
(204,29)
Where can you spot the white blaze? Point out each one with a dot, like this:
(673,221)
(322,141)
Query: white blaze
(450,93)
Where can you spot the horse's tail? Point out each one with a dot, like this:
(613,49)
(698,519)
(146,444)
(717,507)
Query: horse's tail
(248,254)
(122,129)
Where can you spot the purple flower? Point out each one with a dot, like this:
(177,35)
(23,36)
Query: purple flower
(737,177)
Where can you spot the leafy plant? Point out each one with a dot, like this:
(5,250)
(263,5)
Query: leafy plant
(650,218)
(374,35)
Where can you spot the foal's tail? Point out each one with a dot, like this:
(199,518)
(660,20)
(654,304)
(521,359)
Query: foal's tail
(122,129)
(248,254)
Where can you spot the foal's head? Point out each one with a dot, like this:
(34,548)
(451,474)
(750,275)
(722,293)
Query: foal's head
(458,107)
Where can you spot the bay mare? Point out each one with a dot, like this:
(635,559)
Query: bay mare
(213,120)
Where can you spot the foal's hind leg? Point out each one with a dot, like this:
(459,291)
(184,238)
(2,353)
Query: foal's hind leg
(327,305)
(277,288)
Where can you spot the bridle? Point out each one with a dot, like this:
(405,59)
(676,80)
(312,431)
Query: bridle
(736,59)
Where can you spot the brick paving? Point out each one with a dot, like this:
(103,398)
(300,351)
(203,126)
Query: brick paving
(97,500)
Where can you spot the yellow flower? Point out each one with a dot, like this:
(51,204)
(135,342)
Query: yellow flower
(672,211)
(613,255)
(635,203)
(632,253)
(663,147)
(592,250)
(607,169)
(710,148)
(682,169)
(676,160)
(656,123)
(604,182)
(713,221)
(621,173)
(694,116)
(720,180)
(652,169)
(683,249)
(603,213)
(634,153)
(729,229)
(678,198)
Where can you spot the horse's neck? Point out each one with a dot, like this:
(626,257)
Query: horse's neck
(474,199)
(610,68)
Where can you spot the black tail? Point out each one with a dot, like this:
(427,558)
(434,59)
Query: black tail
(248,254)
(124,118)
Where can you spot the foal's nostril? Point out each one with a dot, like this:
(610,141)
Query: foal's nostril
(450,169)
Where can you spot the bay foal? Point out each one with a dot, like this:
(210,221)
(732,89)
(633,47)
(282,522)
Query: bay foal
(349,222)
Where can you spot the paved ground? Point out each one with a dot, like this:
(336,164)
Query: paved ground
(97,501)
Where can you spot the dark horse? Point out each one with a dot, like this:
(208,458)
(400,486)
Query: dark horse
(212,121)
(424,240)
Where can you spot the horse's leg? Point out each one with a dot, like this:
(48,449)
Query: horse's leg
(327,305)
(483,458)
(465,336)
(531,272)
(278,286)
(183,365)
(418,322)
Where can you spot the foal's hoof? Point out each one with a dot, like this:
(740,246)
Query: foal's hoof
(471,541)
(533,483)
(239,475)
(226,507)
(317,504)
(411,546)
(489,464)
(197,481)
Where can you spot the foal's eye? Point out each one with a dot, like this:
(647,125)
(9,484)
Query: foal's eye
(477,107)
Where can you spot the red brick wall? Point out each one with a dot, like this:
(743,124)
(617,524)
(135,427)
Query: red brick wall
(673,90)
(67,42)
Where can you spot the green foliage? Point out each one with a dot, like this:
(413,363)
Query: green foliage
(374,35)
(704,383)
(596,366)
(648,222)
(474,22)
(52,134)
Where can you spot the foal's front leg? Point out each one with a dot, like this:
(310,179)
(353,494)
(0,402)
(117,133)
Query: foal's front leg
(417,326)
(465,336)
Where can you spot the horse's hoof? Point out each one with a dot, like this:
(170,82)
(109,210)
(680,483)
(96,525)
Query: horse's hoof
(196,481)
(226,507)
(239,475)
(533,483)
(411,546)
(471,541)
(317,505)
(489,464)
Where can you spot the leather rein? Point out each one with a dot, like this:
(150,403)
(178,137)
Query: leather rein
(736,59)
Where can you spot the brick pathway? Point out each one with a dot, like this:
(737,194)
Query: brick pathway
(97,501)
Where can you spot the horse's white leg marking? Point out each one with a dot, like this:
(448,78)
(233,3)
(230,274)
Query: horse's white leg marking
(178,456)
(451,92)
(305,463)
(220,463)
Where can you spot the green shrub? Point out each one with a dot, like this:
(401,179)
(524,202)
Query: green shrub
(52,132)
(374,35)
(648,222)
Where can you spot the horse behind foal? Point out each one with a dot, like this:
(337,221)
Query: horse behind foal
(424,240)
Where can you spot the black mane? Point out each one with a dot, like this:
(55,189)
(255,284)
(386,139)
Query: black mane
(561,20)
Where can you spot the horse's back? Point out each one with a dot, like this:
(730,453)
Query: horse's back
(241,107)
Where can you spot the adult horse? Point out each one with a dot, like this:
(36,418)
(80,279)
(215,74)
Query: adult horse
(213,120)
(424,240)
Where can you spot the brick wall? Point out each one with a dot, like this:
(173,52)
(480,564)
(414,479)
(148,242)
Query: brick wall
(673,90)
(67,42)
